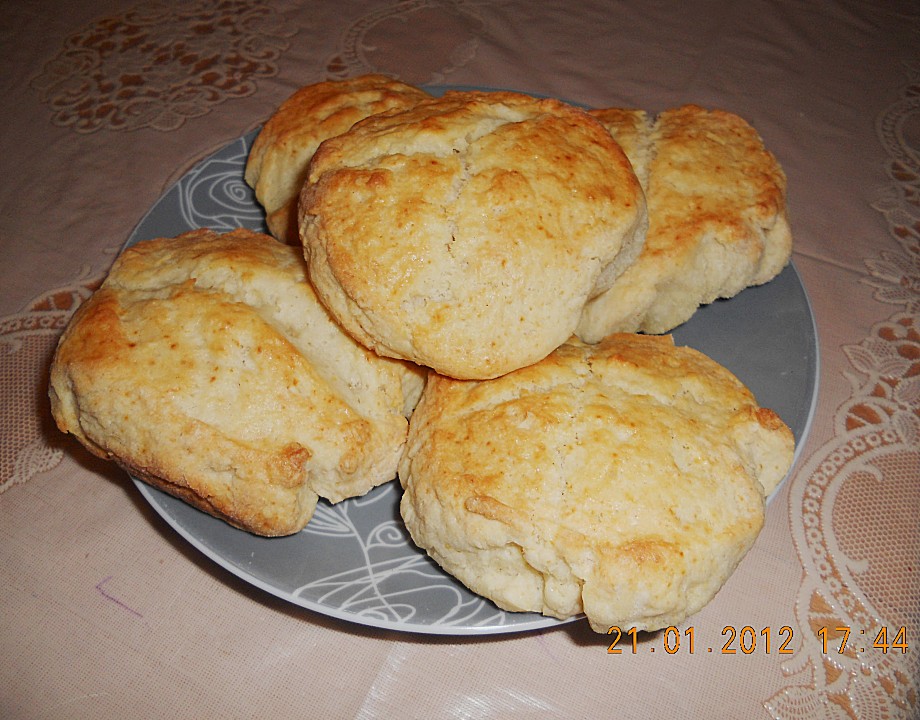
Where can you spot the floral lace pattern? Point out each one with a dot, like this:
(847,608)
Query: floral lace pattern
(364,45)
(27,341)
(854,507)
(129,72)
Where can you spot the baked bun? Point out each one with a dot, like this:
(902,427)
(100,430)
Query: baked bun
(625,480)
(205,366)
(717,218)
(467,233)
(277,163)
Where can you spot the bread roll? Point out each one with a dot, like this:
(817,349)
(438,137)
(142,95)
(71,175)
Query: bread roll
(467,233)
(623,480)
(717,218)
(205,366)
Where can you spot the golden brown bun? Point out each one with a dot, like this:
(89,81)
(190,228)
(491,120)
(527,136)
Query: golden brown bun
(717,218)
(277,164)
(206,366)
(625,480)
(467,233)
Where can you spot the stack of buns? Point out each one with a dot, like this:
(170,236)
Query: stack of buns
(470,291)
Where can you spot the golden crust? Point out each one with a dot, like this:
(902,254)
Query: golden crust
(206,366)
(624,480)
(630,128)
(278,160)
(717,218)
(466,233)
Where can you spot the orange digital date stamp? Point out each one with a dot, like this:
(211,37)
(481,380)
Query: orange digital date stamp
(734,641)
(885,639)
(767,640)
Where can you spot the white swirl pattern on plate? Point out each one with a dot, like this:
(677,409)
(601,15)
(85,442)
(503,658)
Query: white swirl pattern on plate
(214,195)
(386,578)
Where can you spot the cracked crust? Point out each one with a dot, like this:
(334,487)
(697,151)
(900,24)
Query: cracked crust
(717,218)
(467,233)
(206,366)
(624,480)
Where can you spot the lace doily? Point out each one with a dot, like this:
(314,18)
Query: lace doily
(130,72)
(854,507)
(448,30)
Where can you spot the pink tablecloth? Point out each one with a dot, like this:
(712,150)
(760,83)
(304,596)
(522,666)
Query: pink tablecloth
(107,612)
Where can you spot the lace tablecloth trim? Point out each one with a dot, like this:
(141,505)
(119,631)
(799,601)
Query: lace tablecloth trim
(853,507)
(27,342)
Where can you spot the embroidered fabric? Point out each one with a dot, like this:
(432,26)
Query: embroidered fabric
(27,341)
(449,30)
(129,72)
(853,507)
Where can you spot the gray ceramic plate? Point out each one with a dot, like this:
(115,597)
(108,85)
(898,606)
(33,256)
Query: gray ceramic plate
(354,561)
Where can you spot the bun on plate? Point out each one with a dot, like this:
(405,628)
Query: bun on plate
(717,218)
(623,480)
(205,366)
(467,233)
